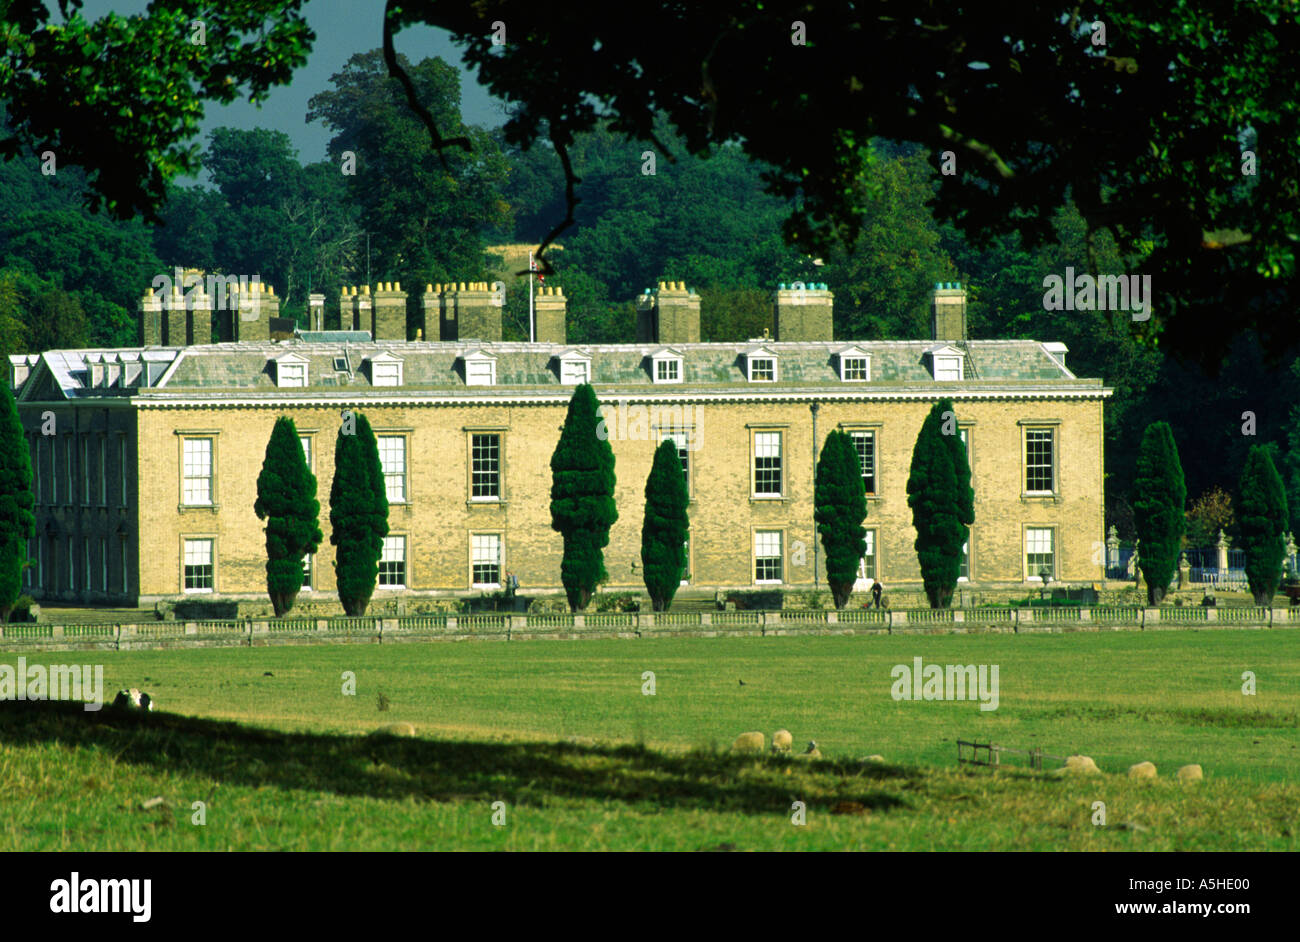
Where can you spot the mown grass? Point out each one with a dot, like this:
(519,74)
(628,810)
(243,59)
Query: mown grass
(561,733)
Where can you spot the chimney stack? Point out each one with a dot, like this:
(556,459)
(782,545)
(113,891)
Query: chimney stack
(431,305)
(149,332)
(362,305)
(948,320)
(316,305)
(804,312)
(389,318)
(549,307)
(471,312)
(670,315)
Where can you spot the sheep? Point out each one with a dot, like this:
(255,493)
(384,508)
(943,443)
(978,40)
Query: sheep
(749,742)
(1190,773)
(133,699)
(1084,765)
(782,740)
(1143,770)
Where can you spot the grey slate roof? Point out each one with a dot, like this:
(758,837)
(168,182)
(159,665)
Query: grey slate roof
(436,367)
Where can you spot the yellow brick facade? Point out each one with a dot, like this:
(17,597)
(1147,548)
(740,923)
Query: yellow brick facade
(439,516)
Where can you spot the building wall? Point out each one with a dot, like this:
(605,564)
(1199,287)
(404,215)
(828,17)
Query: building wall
(439,515)
(65,512)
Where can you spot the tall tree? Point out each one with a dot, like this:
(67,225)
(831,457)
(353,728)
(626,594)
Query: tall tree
(425,217)
(667,523)
(996,97)
(17,522)
(582,497)
(1262,510)
(840,506)
(358,512)
(122,96)
(286,500)
(942,502)
(1158,512)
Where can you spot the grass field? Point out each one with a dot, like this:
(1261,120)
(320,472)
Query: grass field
(563,735)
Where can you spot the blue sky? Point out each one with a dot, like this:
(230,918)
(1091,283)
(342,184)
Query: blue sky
(343,28)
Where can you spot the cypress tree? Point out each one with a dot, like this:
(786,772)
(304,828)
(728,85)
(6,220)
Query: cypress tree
(286,499)
(840,506)
(1158,513)
(1262,518)
(582,497)
(17,522)
(942,502)
(663,534)
(358,513)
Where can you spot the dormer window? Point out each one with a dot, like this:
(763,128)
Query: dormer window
(761,364)
(666,365)
(855,365)
(947,363)
(291,372)
(385,370)
(947,368)
(480,369)
(575,367)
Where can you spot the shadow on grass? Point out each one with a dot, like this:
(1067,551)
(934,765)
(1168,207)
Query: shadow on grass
(233,754)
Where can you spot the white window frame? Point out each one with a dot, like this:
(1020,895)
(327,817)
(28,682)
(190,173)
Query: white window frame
(948,368)
(386,372)
(752,361)
(211,564)
(1031,571)
(854,435)
(762,442)
(854,359)
(498,471)
(209,477)
(308,571)
(306,443)
(659,364)
(389,556)
(291,373)
(480,369)
(479,545)
(391,476)
(779,557)
(872,553)
(568,365)
(1052,467)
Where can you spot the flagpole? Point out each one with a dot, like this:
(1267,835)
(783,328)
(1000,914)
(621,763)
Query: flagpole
(531,331)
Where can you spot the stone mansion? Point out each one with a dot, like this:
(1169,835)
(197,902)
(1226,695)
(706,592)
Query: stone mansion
(146,458)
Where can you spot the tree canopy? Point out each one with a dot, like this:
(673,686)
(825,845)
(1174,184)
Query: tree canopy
(840,506)
(582,497)
(286,500)
(17,521)
(665,527)
(358,512)
(1158,508)
(942,502)
(1262,506)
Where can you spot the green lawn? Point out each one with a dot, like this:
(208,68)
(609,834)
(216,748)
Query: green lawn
(561,732)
